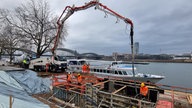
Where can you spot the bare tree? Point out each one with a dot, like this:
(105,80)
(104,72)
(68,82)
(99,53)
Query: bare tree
(9,40)
(2,39)
(36,24)
(9,36)
(2,44)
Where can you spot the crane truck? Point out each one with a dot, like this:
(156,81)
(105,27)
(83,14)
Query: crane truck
(46,63)
(69,10)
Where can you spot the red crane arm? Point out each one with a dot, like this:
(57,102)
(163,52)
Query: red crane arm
(70,10)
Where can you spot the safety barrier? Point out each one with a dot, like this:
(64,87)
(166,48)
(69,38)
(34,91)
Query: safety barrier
(61,80)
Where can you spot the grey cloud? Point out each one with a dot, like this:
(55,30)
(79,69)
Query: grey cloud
(169,30)
(160,26)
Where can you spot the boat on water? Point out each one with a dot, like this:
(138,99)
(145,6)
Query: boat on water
(112,70)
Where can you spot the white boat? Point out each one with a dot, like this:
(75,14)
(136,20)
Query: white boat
(112,70)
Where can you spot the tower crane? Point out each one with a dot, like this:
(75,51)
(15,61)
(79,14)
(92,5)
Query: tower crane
(69,10)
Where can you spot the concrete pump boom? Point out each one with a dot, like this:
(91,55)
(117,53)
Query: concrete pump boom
(70,10)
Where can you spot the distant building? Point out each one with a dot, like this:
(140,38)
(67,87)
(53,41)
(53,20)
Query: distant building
(182,57)
(136,48)
(115,55)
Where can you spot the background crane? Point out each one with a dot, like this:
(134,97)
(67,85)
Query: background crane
(68,11)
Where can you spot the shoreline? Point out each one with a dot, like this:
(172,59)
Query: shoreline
(164,61)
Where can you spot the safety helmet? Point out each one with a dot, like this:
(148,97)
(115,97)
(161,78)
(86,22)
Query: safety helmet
(78,74)
(142,84)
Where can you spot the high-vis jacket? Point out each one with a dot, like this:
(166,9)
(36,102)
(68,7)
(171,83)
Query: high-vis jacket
(144,90)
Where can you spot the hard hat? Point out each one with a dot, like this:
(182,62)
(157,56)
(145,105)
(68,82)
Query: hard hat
(142,84)
(78,74)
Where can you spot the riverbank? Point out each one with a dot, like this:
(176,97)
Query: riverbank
(165,61)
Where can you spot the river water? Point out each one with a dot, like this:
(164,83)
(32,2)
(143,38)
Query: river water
(176,74)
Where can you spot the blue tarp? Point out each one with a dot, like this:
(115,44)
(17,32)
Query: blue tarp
(31,82)
(20,85)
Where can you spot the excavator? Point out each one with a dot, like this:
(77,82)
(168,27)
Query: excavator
(70,10)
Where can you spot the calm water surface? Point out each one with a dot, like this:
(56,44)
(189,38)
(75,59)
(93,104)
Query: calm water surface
(176,74)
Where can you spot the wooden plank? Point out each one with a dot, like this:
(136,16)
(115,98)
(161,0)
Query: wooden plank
(119,89)
(189,98)
(65,103)
(10,102)
(101,83)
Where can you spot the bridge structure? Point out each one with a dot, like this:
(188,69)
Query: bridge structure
(68,53)
(91,56)
(74,54)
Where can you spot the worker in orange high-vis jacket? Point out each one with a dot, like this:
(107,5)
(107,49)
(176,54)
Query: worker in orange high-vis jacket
(143,90)
(84,68)
(69,77)
(79,79)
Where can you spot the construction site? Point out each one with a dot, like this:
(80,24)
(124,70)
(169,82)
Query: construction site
(112,93)
(47,89)
(93,92)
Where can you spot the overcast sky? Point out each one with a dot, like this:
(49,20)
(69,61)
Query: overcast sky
(160,26)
